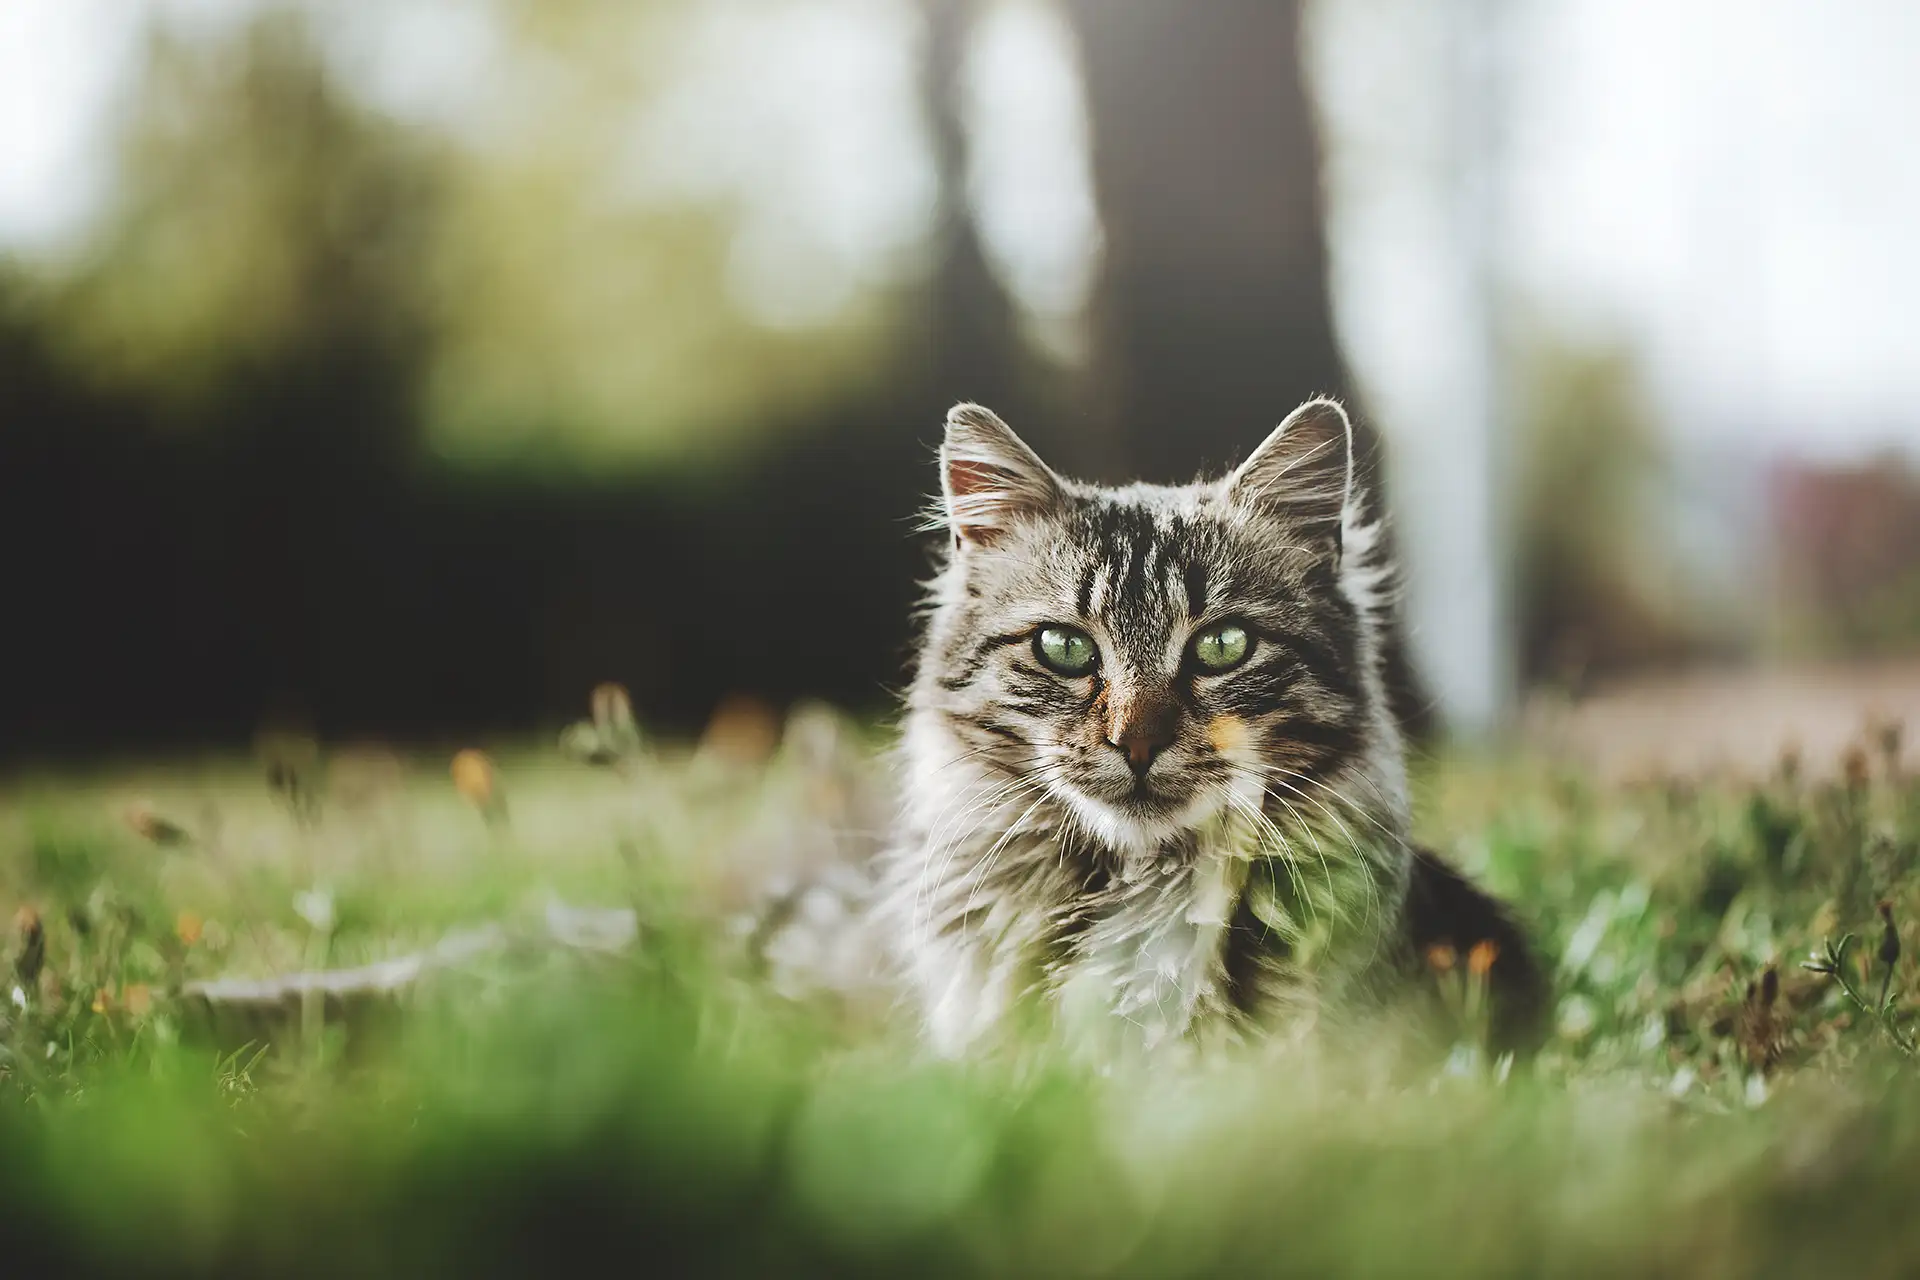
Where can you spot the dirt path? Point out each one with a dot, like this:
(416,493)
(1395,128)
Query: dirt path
(1737,722)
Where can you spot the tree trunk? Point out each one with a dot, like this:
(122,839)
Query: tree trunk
(973,351)
(1212,318)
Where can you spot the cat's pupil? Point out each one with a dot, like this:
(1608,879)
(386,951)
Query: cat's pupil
(1065,650)
(1222,647)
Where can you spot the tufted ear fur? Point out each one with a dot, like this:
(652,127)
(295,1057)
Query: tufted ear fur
(1303,472)
(989,478)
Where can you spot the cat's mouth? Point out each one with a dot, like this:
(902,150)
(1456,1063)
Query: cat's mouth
(1147,798)
(1143,815)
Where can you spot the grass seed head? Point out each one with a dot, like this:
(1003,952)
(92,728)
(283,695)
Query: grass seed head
(149,825)
(1889,734)
(473,778)
(30,945)
(612,709)
(1854,768)
(291,760)
(743,730)
(581,741)
(1789,766)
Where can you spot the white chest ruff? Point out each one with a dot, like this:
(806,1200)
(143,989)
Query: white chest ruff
(1128,948)
(1155,957)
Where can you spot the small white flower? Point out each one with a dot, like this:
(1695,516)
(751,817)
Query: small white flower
(19,999)
(315,906)
(1577,1017)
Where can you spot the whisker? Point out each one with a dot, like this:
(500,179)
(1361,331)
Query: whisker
(955,829)
(1373,891)
(962,810)
(1319,850)
(984,867)
(1284,854)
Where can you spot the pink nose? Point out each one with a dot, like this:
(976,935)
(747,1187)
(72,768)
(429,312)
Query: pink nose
(1142,728)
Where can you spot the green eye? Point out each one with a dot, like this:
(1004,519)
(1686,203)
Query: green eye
(1222,648)
(1065,651)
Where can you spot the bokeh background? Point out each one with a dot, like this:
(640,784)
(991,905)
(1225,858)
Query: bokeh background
(403,370)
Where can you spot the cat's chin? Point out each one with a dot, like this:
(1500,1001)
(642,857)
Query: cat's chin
(1141,826)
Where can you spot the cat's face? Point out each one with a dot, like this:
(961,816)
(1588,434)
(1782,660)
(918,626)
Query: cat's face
(1151,656)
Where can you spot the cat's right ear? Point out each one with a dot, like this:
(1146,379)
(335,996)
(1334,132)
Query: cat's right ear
(989,478)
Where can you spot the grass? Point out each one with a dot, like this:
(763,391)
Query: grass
(1707,1105)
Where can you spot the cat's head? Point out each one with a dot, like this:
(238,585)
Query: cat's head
(1149,656)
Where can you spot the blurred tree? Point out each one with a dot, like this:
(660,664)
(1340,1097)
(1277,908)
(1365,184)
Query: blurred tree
(1845,543)
(1212,314)
(309,287)
(261,217)
(239,349)
(1599,587)
(1212,317)
(588,306)
(973,347)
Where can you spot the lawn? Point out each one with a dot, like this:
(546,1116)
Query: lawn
(1708,1105)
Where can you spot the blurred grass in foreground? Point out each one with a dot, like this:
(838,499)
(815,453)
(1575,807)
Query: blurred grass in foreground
(1692,1116)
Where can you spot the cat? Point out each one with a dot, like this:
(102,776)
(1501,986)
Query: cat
(1152,790)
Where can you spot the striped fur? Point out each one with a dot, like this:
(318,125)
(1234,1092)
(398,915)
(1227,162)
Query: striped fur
(1260,866)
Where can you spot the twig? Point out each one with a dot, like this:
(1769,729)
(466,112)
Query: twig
(1832,961)
(337,992)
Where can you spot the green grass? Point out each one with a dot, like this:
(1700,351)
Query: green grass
(659,1106)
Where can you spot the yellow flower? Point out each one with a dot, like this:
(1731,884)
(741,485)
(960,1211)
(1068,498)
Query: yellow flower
(473,777)
(1441,957)
(1480,959)
(742,731)
(187,927)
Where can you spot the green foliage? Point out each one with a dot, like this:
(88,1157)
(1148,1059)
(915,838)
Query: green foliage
(1706,1105)
(541,297)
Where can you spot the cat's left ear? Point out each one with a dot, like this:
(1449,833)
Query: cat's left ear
(1303,472)
(989,477)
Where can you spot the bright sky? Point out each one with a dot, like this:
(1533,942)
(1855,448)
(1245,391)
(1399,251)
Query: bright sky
(1734,187)
(1740,186)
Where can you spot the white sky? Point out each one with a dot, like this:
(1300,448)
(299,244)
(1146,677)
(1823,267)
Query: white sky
(1739,186)
(1735,187)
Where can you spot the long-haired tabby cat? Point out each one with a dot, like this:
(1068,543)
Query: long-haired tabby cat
(1151,786)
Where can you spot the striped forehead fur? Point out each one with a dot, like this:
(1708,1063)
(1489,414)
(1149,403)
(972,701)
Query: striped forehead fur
(1367,579)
